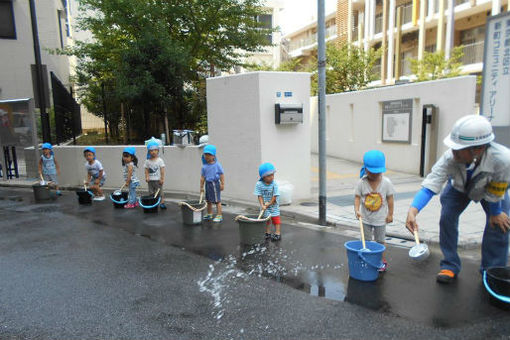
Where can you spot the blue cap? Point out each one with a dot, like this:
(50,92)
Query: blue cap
(373,161)
(210,149)
(152,145)
(47,146)
(266,169)
(130,150)
(90,149)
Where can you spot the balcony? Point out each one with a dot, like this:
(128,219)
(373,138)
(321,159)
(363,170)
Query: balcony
(330,31)
(473,53)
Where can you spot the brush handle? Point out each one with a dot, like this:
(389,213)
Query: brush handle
(201,197)
(362,233)
(416,237)
(122,187)
(261,212)
(157,192)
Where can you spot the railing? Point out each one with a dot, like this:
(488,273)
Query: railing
(376,71)
(330,31)
(405,66)
(457,3)
(473,53)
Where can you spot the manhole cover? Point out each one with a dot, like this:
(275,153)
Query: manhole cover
(308,204)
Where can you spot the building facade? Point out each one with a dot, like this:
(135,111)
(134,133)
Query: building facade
(16,44)
(423,28)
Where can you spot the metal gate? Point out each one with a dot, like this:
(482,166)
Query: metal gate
(67,112)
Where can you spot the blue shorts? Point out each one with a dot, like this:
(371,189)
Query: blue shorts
(93,181)
(213,192)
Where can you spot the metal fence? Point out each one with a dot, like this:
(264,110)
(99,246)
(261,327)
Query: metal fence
(67,112)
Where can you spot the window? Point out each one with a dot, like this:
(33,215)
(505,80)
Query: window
(267,22)
(60,30)
(7,25)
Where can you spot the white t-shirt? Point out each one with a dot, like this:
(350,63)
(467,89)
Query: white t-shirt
(374,203)
(154,167)
(94,168)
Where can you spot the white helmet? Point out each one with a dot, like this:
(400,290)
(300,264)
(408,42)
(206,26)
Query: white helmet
(472,130)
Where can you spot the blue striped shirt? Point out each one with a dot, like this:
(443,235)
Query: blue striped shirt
(267,191)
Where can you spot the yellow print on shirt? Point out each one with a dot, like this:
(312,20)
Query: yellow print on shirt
(373,201)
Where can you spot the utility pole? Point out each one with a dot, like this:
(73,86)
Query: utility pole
(321,20)
(45,120)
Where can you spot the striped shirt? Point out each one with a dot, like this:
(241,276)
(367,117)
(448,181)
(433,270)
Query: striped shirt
(267,191)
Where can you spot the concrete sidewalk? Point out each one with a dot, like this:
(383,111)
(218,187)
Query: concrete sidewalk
(342,179)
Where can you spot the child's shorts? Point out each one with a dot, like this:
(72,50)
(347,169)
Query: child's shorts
(378,232)
(93,181)
(50,178)
(153,187)
(213,192)
(275,220)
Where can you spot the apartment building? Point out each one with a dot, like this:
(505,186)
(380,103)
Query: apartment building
(361,23)
(16,44)
(303,42)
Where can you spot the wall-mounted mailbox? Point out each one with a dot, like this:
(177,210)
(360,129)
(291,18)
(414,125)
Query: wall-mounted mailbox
(288,113)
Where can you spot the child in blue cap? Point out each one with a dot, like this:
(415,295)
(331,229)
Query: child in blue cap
(374,194)
(214,179)
(96,175)
(155,171)
(268,194)
(48,167)
(129,162)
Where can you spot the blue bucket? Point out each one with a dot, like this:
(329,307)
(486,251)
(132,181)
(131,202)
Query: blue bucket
(364,265)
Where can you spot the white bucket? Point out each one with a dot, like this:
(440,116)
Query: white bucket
(286,190)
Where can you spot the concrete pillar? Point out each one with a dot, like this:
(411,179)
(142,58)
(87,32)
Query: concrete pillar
(361,25)
(391,39)
(398,43)
(384,41)
(440,27)
(496,7)
(450,23)
(421,34)
(349,22)
(372,18)
(367,22)
(431,8)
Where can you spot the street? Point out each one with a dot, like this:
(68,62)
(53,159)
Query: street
(70,271)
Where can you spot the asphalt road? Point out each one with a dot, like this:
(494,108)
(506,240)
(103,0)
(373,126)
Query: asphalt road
(75,272)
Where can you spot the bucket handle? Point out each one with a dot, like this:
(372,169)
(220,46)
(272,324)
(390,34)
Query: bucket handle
(379,266)
(149,206)
(493,293)
(118,202)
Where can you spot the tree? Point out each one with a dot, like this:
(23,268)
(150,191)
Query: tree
(348,68)
(153,56)
(436,66)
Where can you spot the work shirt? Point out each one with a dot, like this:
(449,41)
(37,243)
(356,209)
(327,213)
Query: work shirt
(94,168)
(374,203)
(212,172)
(267,191)
(154,168)
(48,165)
(488,181)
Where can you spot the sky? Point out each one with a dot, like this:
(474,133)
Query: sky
(298,13)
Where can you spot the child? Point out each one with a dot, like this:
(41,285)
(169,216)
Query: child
(214,179)
(96,175)
(48,167)
(155,171)
(374,193)
(129,162)
(269,198)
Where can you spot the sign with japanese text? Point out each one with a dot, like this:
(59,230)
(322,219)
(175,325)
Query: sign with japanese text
(495,102)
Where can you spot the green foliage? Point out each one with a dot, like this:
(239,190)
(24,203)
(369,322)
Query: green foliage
(153,56)
(348,68)
(436,66)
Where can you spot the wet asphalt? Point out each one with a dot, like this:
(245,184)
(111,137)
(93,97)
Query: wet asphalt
(71,271)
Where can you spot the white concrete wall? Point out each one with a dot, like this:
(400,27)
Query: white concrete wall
(354,119)
(18,54)
(182,166)
(241,124)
